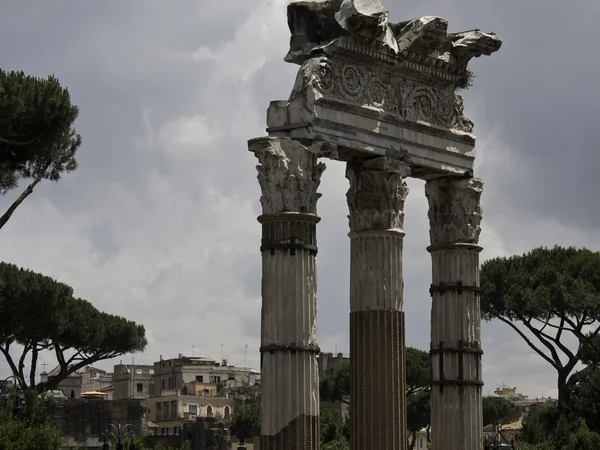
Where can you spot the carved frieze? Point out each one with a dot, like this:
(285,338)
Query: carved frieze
(365,86)
(376,195)
(289,175)
(459,120)
(426,104)
(454,210)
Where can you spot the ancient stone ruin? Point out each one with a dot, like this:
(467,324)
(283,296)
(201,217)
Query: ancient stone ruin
(380,96)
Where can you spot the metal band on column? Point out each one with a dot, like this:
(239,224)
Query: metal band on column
(289,176)
(377,346)
(456,409)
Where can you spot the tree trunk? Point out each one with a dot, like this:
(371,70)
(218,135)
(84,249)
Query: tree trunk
(563,388)
(26,193)
(413,440)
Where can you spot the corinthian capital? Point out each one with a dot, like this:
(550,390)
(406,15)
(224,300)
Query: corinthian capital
(289,175)
(376,195)
(454,211)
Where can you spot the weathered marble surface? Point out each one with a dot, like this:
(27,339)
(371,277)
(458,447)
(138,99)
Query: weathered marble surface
(315,26)
(378,374)
(369,86)
(289,175)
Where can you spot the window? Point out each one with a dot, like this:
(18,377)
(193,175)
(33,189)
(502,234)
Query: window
(421,443)
(173,410)
(209,411)
(200,378)
(227,411)
(170,383)
(140,388)
(193,409)
(72,394)
(162,384)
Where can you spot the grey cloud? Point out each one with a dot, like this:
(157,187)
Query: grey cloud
(142,202)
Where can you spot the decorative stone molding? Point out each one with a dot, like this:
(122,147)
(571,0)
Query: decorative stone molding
(426,104)
(454,211)
(289,175)
(459,121)
(365,86)
(377,194)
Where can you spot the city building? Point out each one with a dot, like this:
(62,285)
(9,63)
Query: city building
(132,381)
(511,394)
(94,379)
(70,386)
(188,387)
(175,373)
(421,440)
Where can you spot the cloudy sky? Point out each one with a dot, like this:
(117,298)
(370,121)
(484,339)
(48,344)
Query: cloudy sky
(159,222)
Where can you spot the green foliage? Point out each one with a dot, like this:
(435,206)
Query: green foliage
(418,370)
(500,411)
(39,313)
(36,134)
(541,446)
(418,412)
(245,421)
(334,429)
(534,429)
(335,386)
(584,397)
(579,437)
(31,428)
(466,81)
(340,444)
(549,428)
(418,381)
(554,294)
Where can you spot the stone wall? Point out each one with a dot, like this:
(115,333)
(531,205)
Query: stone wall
(74,416)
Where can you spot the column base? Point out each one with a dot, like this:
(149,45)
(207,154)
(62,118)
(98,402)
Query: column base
(300,434)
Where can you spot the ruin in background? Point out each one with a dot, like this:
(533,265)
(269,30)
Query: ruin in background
(380,96)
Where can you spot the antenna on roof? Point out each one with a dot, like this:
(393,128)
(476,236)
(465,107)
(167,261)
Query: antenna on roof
(222,357)
(193,350)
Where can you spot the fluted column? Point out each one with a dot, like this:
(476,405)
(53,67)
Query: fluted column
(455,217)
(289,176)
(377,349)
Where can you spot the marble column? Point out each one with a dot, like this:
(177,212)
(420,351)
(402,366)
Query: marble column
(289,175)
(455,217)
(377,348)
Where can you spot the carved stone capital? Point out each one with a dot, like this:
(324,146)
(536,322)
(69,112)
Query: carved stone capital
(377,194)
(454,210)
(289,175)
